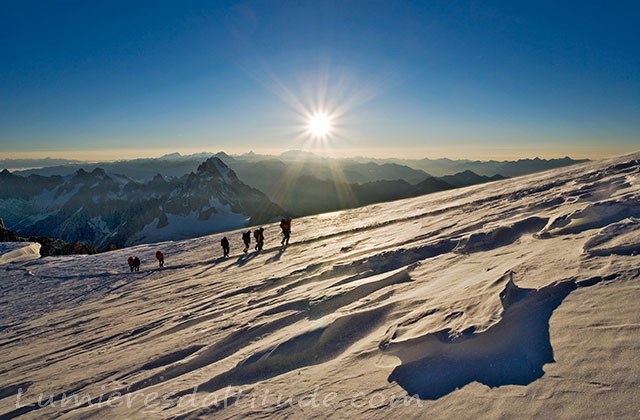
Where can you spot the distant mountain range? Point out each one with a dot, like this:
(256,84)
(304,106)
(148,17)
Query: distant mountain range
(176,196)
(305,163)
(35,163)
(307,195)
(508,168)
(113,210)
(304,195)
(466,178)
(265,174)
(141,170)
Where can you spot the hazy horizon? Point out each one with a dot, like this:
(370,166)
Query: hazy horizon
(115,155)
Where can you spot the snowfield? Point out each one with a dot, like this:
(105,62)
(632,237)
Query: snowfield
(514,299)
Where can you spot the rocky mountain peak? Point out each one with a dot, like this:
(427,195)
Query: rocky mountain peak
(216,168)
(83,176)
(99,172)
(158,178)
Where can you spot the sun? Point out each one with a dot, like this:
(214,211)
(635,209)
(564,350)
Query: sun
(319,125)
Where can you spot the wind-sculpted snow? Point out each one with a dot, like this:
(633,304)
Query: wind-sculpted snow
(593,216)
(511,299)
(511,352)
(308,348)
(500,236)
(621,238)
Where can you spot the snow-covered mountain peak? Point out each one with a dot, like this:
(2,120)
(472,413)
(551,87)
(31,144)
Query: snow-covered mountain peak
(109,210)
(171,156)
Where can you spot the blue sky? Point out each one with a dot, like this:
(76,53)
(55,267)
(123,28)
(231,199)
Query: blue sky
(436,78)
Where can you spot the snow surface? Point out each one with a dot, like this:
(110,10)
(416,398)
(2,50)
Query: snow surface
(18,251)
(514,299)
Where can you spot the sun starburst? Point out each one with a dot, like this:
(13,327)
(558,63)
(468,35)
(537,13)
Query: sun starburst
(320,125)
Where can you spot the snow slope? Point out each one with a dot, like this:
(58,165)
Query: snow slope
(513,299)
(18,251)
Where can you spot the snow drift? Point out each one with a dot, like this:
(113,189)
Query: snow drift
(18,251)
(512,299)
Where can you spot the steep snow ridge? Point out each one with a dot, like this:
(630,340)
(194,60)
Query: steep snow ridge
(18,251)
(514,299)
